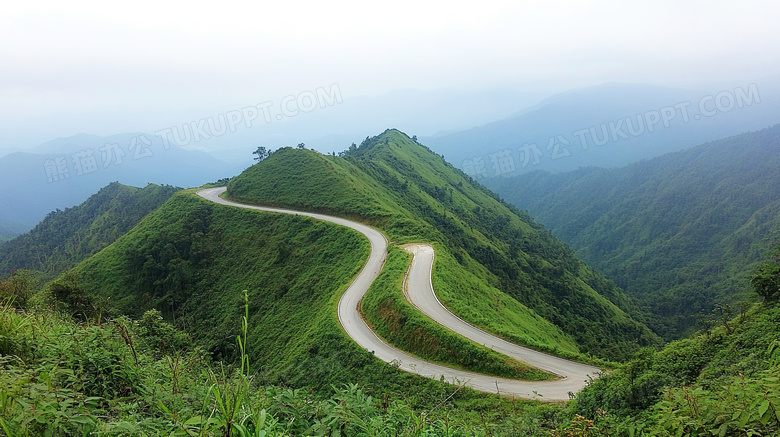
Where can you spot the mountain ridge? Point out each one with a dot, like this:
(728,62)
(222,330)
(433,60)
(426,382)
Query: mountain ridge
(430,199)
(673,225)
(607,125)
(74,168)
(66,237)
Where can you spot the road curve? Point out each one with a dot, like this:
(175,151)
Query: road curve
(419,292)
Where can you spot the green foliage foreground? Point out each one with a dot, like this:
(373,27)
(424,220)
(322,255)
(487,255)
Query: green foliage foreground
(723,381)
(144,377)
(126,377)
(714,384)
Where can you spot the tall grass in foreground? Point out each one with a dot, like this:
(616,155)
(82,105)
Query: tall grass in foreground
(141,378)
(125,377)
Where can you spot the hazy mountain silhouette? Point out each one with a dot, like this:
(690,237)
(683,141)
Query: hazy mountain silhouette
(606,126)
(65,172)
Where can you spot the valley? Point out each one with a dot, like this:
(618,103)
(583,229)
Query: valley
(681,233)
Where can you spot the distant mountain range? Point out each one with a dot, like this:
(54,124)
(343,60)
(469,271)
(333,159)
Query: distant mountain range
(681,233)
(332,124)
(64,172)
(607,126)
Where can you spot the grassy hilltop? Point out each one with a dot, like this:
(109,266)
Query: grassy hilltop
(495,267)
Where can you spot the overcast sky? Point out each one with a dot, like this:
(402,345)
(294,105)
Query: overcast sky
(102,67)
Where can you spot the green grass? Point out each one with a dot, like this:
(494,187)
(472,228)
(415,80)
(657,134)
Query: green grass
(143,377)
(338,187)
(397,321)
(191,259)
(467,293)
(411,194)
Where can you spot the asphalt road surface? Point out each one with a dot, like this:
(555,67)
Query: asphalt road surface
(419,291)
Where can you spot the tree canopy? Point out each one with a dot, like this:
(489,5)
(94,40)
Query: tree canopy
(766,281)
(261,153)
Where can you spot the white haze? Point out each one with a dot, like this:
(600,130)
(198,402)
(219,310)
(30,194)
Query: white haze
(106,67)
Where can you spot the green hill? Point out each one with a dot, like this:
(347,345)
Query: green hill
(495,266)
(64,238)
(721,381)
(680,233)
(191,259)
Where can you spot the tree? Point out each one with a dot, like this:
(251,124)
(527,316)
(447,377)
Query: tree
(301,146)
(261,153)
(71,297)
(766,281)
(19,287)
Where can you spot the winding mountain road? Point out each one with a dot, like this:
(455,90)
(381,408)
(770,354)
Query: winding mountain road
(419,291)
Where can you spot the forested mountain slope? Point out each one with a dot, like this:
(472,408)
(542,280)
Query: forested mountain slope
(66,237)
(680,233)
(721,381)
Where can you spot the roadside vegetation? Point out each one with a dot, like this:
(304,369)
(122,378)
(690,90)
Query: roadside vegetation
(412,194)
(66,377)
(121,376)
(396,320)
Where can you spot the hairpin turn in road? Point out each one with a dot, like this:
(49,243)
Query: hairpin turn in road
(418,289)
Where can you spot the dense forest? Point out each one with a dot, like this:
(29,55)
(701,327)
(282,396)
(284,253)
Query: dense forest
(725,380)
(679,233)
